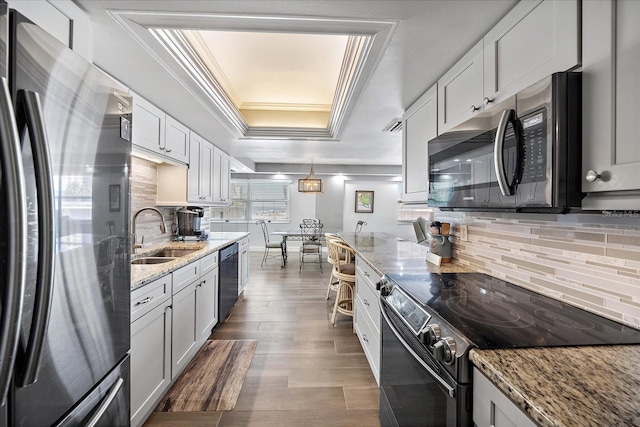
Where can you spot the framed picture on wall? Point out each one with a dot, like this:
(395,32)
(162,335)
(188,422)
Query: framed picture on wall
(114,198)
(364,201)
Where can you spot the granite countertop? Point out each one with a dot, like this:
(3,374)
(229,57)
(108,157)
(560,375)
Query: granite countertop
(141,274)
(568,386)
(387,253)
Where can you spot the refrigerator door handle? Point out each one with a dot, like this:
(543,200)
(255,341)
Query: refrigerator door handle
(113,392)
(14,192)
(29,114)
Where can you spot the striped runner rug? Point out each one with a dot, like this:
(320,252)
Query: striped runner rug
(213,379)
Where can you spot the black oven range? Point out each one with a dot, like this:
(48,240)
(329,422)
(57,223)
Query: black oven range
(432,321)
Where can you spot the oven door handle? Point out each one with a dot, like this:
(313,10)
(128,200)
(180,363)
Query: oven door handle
(443,383)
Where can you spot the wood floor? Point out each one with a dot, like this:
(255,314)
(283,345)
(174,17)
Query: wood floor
(305,372)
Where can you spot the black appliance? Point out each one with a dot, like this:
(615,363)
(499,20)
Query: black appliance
(431,321)
(228,284)
(65,296)
(521,155)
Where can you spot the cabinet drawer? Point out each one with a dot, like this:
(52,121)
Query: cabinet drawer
(367,272)
(208,263)
(148,297)
(369,300)
(369,339)
(243,243)
(185,275)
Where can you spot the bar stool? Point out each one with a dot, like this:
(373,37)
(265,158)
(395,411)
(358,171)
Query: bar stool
(346,275)
(333,281)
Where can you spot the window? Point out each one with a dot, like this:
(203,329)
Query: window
(256,199)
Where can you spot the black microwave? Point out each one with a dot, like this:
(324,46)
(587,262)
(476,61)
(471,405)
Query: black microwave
(521,155)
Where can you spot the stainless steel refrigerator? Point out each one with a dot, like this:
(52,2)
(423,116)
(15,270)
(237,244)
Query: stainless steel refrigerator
(64,236)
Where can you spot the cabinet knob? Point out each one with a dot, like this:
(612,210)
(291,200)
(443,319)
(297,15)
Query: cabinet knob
(592,175)
(487,101)
(474,108)
(167,150)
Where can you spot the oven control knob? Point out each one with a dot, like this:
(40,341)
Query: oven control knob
(432,335)
(445,350)
(449,350)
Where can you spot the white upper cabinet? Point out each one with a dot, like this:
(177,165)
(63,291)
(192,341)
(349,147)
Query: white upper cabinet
(148,125)
(222,177)
(63,19)
(419,125)
(460,90)
(159,133)
(611,105)
(176,143)
(536,39)
(200,175)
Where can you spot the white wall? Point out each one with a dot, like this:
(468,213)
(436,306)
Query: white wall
(385,208)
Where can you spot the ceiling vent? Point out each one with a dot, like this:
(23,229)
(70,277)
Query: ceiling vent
(394,126)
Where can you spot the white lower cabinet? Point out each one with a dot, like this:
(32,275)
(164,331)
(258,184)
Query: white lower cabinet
(170,320)
(206,305)
(150,348)
(491,408)
(243,270)
(183,330)
(366,315)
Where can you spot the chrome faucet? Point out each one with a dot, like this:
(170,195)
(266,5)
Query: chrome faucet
(163,229)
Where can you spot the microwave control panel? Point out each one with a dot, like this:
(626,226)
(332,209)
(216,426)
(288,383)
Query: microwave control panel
(534,153)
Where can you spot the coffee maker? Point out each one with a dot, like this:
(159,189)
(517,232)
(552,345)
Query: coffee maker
(190,223)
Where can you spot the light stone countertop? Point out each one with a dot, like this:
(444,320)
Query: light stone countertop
(387,253)
(568,386)
(141,274)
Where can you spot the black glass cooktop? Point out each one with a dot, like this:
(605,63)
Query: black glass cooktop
(492,313)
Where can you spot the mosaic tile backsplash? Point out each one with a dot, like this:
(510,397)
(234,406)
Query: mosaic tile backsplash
(143,193)
(588,260)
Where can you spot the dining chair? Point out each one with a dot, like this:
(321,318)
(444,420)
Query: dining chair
(359,225)
(282,245)
(345,272)
(311,241)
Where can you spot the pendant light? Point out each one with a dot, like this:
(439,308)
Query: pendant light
(311,184)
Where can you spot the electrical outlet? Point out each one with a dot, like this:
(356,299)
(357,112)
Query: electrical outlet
(464,233)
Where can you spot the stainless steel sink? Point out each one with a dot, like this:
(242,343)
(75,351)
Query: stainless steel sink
(152,260)
(172,253)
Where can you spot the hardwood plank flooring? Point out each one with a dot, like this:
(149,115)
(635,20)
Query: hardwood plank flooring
(305,371)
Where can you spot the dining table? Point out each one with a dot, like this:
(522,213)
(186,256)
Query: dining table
(296,235)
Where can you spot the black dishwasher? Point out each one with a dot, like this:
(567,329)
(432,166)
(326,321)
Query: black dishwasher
(228,284)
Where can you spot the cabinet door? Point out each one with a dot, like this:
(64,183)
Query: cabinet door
(222,167)
(193,176)
(206,171)
(534,40)
(206,304)
(420,124)
(150,360)
(183,332)
(176,140)
(244,265)
(460,91)
(491,408)
(148,126)
(611,104)
(225,178)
